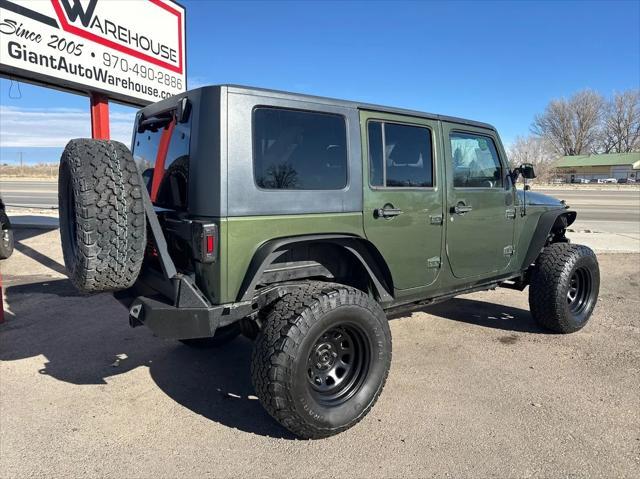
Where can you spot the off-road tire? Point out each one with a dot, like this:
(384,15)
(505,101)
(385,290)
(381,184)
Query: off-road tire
(293,327)
(102,222)
(6,236)
(223,335)
(559,270)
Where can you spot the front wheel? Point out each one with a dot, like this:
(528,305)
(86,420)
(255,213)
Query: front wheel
(321,359)
(564,287)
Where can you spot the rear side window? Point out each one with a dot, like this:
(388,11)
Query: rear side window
(299,150)
(400,155)
(475,161)
(167,148)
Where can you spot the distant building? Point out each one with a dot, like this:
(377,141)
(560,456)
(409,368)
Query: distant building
(623,166)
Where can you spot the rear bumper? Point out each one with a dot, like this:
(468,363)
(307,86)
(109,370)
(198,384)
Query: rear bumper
(166,320)
(171,322)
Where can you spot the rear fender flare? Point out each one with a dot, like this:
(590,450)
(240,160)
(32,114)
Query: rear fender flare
(358,248)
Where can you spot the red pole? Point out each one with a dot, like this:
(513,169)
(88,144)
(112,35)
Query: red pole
(99,116)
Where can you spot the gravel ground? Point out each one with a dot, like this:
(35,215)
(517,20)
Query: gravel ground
(476,389)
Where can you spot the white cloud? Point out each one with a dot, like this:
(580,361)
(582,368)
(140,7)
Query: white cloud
(54,127)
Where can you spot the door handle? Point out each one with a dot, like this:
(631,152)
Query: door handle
(386,212)
(461,208)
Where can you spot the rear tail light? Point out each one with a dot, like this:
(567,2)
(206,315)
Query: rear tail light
(205,242)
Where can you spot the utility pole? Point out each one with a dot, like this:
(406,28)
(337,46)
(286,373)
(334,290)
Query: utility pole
(21,166)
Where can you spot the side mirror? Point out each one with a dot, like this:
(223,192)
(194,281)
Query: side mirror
(526,170)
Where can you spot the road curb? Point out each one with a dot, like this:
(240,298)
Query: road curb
(34,222)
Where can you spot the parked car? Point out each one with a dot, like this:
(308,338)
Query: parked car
(595,180)
(6,233)
(610,180)
(558,181)
(301,222)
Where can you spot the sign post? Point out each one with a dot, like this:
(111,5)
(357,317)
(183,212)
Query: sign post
(99,116)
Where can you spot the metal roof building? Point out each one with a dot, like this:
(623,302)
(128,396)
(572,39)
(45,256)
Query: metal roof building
(594,167)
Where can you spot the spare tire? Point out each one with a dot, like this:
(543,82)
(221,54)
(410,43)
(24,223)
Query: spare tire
(102,220)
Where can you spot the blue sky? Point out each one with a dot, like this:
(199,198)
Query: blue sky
(499,62)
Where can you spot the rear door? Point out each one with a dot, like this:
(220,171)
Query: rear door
(480,202)
(402,195)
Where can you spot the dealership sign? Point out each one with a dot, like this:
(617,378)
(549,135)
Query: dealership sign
(132,51)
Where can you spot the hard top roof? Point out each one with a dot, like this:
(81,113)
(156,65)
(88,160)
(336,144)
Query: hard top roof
(348,104)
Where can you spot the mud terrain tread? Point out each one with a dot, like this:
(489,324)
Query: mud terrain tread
(109,215)
(275,350)
(551,273)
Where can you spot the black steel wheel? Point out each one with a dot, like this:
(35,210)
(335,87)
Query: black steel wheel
(564,287)
(337,364)
(321,359)
(579,291)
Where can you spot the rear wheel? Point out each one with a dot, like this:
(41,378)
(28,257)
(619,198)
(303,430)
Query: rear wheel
(564,287)
(321,359)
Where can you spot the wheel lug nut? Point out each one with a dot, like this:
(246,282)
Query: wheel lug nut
(334,354)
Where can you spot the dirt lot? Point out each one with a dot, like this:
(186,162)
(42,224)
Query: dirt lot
(476,389)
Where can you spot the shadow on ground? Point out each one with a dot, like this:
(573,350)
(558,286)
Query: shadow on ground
(39,257)
(83,337)
(485,314)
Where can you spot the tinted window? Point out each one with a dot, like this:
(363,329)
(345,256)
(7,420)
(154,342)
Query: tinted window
(297,150)
(375,153)
(173,181)
(408,155)
(475,161)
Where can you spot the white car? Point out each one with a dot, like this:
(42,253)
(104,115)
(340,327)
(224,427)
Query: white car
(610,180)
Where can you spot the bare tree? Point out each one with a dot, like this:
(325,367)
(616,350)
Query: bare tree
(534,150)
(621,123)
(571,126)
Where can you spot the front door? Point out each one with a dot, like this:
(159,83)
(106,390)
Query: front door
(403,201)
(480,202)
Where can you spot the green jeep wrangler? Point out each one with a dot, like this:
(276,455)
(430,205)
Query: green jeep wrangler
(301,222)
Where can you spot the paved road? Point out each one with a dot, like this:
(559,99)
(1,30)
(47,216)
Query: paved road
(476,389)
(34,194)
(610,211)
